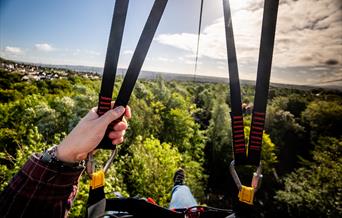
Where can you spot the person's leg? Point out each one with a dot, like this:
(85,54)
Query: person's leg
(182,197)
(181,194)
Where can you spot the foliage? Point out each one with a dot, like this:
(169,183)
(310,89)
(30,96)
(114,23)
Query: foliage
(324,117)
(315,190)
(219,148)
(150,169)
(184,124)
(14,162)
(289,138)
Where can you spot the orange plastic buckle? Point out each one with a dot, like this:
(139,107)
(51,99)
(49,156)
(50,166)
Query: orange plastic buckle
(246,195)
(97,179)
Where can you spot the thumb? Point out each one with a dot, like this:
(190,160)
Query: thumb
(112,115)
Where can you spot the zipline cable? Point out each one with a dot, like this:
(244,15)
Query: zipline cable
(198,38)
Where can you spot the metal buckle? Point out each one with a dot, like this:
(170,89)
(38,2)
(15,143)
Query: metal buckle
(90,166)
(246,194)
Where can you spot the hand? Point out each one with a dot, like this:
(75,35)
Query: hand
(88,133)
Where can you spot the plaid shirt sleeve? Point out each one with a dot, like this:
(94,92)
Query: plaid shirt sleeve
(40,190)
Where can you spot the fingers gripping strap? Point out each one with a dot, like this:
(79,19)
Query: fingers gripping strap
(111,62)
(136,63)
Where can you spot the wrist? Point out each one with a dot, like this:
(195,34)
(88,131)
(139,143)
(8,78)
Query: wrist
(65,154)
(50,157)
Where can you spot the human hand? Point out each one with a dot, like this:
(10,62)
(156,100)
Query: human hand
(88,133)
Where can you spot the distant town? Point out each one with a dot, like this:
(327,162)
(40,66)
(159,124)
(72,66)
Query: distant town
(32,71)
(35,72)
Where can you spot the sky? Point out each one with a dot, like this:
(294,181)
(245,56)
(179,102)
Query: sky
(308,46)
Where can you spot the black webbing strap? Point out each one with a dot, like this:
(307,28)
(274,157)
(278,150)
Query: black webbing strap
(252,156)
(96,203)
(111,63)
(263,79)
(112,56)
(140,52)
(135,65)
(239,145)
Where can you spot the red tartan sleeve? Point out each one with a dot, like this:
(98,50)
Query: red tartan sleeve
(39,190)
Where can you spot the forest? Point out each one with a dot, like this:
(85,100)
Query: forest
(186,124)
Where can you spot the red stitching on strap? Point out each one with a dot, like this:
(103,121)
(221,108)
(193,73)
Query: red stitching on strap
(240,150)
(104,107)
(258,128)
(259,113)
(105,98)
(236,127)
(257,138)
(105,102)
(237,117)
(259,118)
(239,136)
(237,122)
(256,132)
(256,142)
(238,131)
(258,123)
(254,147)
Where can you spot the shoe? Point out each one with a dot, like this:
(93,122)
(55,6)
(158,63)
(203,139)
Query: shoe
(179,177)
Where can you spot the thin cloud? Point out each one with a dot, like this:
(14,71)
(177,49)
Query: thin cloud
(78,52)
(304,29)
(13,50)
(163,59)
(128,52)
(44,47)
(92,53)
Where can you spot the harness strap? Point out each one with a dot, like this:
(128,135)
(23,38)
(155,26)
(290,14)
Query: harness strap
(263,80)
(135,65)
(251,155)
(239,145)
(111,63)
(140,52)
(96,204)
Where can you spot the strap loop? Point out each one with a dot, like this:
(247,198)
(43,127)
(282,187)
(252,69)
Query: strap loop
(246,193)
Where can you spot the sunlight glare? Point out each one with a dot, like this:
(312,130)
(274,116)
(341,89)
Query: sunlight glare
(239,4)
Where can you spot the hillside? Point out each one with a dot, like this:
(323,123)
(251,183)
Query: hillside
(150,75)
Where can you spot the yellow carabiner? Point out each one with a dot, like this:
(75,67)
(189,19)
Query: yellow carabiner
(246,194)
(97,179)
